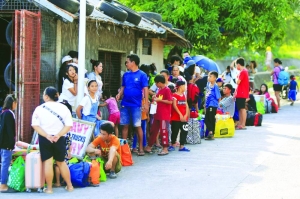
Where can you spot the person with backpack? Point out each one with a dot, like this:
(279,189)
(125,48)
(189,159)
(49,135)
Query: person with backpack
(7,140)
(275,74)
(293,85)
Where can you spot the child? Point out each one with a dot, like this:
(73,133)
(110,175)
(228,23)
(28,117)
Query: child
(292,89)
(179,117)
(113,110)
(264,91)
(7,140)
(213,97)
(89,107)
(144,128)
(67,158)
(162,117)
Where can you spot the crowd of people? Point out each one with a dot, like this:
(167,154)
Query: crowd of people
(174,94)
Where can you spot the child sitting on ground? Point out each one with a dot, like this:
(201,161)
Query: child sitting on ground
(292,89)
(113,110)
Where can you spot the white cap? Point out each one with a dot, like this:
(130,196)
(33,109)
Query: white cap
(66,58)
(197,70)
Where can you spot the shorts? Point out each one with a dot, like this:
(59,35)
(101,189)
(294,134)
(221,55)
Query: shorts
(57,150)
(240,103)
(277,87)
(114,118)
(118,165)
(292,95)
(131,115)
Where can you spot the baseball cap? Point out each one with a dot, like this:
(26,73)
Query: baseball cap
(66,58)
(219,80)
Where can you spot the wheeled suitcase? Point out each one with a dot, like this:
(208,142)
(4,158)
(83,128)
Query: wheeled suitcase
(34,172)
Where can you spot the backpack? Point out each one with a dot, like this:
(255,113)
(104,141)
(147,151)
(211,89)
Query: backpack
(80,174)
(283,77)
(274,106)
(250,118)
(258,119)
(268,106)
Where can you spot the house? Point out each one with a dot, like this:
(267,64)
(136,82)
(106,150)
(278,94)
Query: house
(43,33)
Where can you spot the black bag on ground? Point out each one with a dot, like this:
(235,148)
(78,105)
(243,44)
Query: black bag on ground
(250,118)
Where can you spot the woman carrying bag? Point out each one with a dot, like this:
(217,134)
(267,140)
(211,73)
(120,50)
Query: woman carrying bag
(52,121)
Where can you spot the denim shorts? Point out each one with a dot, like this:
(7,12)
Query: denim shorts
(131,115)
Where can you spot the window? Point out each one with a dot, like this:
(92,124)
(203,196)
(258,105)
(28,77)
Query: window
(147,47)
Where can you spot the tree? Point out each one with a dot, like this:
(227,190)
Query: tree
(213,26)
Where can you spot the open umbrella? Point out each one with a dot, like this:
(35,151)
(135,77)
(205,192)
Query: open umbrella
(214,66)
(202,62)
(197,58)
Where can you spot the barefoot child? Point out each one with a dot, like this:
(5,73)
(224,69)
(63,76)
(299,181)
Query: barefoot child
(113,110)
(179,117)
(162,116)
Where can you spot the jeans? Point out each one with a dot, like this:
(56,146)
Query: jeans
(5,156)
(131,115)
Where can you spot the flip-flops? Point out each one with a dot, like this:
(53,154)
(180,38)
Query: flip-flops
(162,153)
(141,153)
(240,128)
(47,191)
(69,190)
(9,190)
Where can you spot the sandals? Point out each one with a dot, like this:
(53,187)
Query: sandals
(209,137)
(184,149)
(134,151)
(140,153)
(9,190)
(162,153)
(47,191)
(69,190)
(240,128)
(56,185)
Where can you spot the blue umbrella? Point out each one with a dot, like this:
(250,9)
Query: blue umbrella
(214,66)
(197,58)
(203,63)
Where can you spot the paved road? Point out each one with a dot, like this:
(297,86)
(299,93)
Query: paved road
(262,162)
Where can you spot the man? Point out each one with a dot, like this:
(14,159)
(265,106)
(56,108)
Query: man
(227,104)
(242,93)
(109,151)
(134,88)
(186,54)
(234,74)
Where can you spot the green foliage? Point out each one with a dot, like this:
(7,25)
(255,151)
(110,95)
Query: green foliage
(215,26)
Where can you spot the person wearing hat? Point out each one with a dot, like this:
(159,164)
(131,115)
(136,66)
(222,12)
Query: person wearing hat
(220,83)
(61,74)
(179,117)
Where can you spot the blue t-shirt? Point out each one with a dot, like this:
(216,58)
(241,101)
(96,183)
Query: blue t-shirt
(212,95)
(133,83)
(293,85)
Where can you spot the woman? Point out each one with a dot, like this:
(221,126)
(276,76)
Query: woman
(226,75)
(69,88)
(252,71)
(176,74)
(52,121)
(7,139)
(192,89)
(264,91)
(276,86)
(61,74)
(97,68)
(87,110)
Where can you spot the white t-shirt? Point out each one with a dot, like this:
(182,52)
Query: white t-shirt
(48,121)
(226,77)
(234,74)
(93,76)
(66,94)
(154,88)
(86,103)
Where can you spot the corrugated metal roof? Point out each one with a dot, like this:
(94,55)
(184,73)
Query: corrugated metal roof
(145,24)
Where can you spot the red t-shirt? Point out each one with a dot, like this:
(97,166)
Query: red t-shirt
(181,105)
(242,90)
(163,111)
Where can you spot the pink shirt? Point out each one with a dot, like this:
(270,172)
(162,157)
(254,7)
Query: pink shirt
(112,105)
